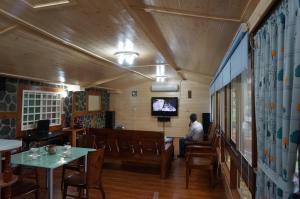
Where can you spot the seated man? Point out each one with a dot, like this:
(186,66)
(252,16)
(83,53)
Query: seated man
(195,134)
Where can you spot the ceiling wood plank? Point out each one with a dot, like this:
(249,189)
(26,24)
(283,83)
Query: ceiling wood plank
(102,81)
(6,29)
(30,78)
(59,40)
(111,90)
(184,13)
(151,29)
(245,9)
(197,73)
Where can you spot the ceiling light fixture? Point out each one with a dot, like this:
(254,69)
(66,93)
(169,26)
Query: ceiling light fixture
(160,73)
(160,79)
(126,57)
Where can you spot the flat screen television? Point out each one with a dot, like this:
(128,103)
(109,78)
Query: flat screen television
(164,106)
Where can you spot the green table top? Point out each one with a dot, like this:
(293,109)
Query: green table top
(45,160)
(6,144)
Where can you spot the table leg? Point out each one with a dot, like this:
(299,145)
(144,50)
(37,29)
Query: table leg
(50,183)
(85,170)
(7,174)
(0,170)
(85,163)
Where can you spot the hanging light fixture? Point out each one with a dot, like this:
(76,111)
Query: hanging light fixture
(125,54)
(126,57)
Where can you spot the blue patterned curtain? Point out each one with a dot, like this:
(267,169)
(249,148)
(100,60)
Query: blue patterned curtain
(277,100)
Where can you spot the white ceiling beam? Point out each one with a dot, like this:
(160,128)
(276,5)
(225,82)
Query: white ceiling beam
(149,65)
(184,13)
(6,29)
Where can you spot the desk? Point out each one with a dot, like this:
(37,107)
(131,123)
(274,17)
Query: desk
(74,134)
(50,162)
(42,137)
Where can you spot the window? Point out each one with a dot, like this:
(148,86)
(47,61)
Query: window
(234,93)
(246,117)
(40,105)
(227,110)
(222,108)
(213,107)
(241,115)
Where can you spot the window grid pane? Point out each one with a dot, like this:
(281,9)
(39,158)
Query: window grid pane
(39,105)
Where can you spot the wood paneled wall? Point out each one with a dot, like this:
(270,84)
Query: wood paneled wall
(135,112)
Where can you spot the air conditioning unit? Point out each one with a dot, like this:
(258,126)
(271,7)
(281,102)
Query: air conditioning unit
(164,87)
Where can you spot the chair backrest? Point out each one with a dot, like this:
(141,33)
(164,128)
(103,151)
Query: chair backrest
(150,143)
(216,141)
(87,141)
(94,168)
(211,131)
(43,126)
(126,144)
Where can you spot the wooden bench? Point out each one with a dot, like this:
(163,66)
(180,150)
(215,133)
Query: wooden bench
(136,147)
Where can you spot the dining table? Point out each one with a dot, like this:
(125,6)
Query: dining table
(42,159)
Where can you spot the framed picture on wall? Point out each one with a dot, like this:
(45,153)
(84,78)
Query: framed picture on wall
(94,102)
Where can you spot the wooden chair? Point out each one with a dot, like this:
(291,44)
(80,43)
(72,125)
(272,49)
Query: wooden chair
(202,158)
(27,182)
(213,131)
(90,180)
(85,141)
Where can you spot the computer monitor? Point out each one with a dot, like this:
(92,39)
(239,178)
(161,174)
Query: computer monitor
(43,126)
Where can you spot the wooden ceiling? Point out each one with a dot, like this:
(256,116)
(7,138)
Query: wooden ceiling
(74,41)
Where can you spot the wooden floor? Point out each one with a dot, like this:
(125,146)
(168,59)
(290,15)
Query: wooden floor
(122,184)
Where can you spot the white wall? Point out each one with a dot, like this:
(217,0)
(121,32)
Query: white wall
(135,112)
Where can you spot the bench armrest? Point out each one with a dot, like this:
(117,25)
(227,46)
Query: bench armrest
(199,143)
(200,149)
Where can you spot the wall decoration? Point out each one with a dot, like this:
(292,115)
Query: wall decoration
(8,103)
(8,97)
(105,100)
(134,93)
(80,101)
(100,120)
(7,128)
(67,108)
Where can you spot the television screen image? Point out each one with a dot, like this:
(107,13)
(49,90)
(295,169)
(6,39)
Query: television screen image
(164,106)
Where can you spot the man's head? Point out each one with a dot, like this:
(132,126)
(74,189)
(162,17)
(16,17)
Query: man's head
(193,117)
